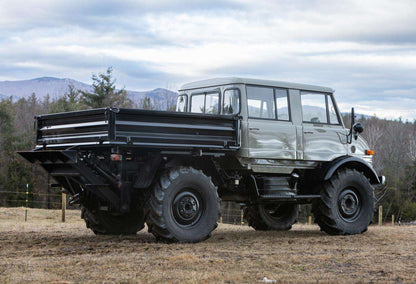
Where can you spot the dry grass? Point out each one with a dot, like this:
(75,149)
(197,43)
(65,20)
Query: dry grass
(46,250)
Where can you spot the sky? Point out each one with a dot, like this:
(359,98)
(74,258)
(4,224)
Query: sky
(365,50)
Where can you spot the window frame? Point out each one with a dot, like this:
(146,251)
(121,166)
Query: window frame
(239,101)
(186,104)
(337,113)
(326,108)
(274,103)
(218,92)
(288,104)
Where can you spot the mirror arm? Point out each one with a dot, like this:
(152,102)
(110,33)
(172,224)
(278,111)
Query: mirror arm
(349,136)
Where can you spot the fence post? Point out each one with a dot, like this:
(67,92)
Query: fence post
(310,220)
(392,220)
(27,201)
(242,217)
(221,219)
(63,206)
(380,215)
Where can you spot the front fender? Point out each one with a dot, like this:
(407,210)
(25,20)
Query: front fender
(352,163)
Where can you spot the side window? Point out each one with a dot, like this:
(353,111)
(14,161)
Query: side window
(260,102)
(198,103)
(231,101)
(314,107)
(282,104)
(205,103)
(211,103)
(181,103)
(333,118)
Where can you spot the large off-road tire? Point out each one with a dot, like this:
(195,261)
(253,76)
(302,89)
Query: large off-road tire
(184,206)
(277,217)
(108,223)
(346,205)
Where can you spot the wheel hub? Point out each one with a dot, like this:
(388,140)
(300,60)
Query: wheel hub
(349,204)
(186,208)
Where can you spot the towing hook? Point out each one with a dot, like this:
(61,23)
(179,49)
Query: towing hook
(112,109)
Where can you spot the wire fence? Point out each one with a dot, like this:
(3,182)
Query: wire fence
(231,212)
(30,198)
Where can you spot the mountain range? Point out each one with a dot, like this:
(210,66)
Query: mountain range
(57,87)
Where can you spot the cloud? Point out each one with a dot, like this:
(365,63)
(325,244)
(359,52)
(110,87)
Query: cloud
(365,50)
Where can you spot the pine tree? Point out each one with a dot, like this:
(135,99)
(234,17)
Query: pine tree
(70,101)
(15,174)
(146,103)
(105,92)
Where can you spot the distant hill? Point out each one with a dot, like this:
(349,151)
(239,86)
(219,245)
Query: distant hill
(40,86)
(3,97)
(57,87)
(159,96)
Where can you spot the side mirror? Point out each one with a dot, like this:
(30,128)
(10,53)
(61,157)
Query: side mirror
(358,128)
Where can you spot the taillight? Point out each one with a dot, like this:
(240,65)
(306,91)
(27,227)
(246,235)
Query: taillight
(116,157)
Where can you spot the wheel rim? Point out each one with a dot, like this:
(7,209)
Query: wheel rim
(187,208)
(349,204)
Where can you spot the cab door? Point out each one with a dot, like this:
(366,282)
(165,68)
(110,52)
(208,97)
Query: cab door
(271,134)
(324,137)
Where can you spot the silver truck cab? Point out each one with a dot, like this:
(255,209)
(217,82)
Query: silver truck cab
(285,126)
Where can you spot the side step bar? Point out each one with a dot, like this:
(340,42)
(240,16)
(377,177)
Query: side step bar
(292,198)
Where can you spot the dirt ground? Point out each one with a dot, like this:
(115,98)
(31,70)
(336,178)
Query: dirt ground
(45,250)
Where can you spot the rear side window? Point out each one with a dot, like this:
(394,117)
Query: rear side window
(260,102)
(282,104)
(318,108)
(268,103)
(205,103)
(181,103)
(231,101)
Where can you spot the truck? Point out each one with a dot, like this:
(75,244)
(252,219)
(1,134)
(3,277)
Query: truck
(267,145)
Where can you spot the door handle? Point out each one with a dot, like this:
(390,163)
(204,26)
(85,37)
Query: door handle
(308,132)
(254,129)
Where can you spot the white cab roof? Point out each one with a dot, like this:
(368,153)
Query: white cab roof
(236,80)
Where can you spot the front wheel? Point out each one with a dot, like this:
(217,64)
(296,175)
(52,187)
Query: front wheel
(346,205)
(184,206)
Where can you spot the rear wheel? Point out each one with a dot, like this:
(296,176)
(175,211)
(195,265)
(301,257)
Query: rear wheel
(346,205)
(184,206)
(278,217)
(109,223)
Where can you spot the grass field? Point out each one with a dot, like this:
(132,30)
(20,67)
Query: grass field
(45,250)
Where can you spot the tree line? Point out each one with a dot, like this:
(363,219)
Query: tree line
(394,143)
